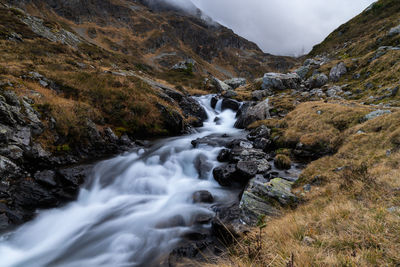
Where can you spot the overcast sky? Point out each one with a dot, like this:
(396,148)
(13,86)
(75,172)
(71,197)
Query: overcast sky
(284,27)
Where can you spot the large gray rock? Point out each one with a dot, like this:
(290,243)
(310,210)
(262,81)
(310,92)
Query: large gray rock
(235,82)
(303,71)
(279,81)
(262,198)
(250,114)
(259,95)
(317,80)
(337,72)
(220,85)
(375,114)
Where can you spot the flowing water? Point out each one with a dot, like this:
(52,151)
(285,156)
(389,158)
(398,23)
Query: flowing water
(126,213)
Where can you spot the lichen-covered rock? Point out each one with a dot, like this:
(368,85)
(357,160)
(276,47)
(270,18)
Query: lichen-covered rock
(264,198)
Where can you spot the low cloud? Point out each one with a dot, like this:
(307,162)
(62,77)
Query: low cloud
(290,27)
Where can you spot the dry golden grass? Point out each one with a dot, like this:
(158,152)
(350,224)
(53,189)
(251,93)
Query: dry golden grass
(345,220)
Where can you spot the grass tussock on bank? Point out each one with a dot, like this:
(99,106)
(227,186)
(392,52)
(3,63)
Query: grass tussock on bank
(351,216)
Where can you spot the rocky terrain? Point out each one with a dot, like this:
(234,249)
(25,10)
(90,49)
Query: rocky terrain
(317,172)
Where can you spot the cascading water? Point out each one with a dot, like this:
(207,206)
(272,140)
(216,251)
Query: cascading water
(133,210)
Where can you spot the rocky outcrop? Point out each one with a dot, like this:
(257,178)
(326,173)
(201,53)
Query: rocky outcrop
(249,113)
(263,198)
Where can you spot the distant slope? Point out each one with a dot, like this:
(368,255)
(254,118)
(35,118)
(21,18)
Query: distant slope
(160,37)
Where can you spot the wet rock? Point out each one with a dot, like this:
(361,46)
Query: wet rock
(172,120)
(214,101)
(240,143)
(227,175)
(337,72)
(191,107)
(46,178)
(30,195)
(279,81)
(235,82)
(249,168)
(259,132)
(250,114)
(229,94)
(238,154)
(230,104)
(223,155)
(263,198)
(263,144)
(203,166)
(202,197)
(74,176)
(317,80)
(4,224)
(175,221)
(214,140)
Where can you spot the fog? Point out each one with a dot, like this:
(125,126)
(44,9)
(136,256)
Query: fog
(283,27)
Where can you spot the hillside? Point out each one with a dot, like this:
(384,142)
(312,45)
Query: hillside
(339,116)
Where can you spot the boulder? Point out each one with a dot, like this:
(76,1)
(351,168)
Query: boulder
(220,85)
(202,196)
(214,101)
(337,72)
(394,31)
(172,120)
(250,114)
(259,95)
(262,143)
(226,175)
(317,80)
(279,81)
(192,108)
(375,114)
(259,132)
(231,104)
(235,82)
(303,71)
(263,198)
(229,94)
(203,166)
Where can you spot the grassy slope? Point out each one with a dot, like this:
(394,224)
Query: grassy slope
(348,214)
(126,104)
